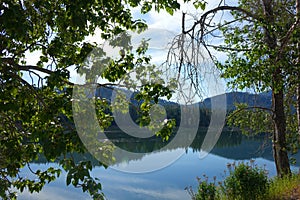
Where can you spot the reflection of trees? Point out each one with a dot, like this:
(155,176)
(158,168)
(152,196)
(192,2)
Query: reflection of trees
(232,145)
(247,149)
(144,145)
(227,139)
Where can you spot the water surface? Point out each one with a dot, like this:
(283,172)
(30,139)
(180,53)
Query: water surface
(168,183)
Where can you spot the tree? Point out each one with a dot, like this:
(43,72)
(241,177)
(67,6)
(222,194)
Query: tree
(297,64)
(258,38)
(36,102)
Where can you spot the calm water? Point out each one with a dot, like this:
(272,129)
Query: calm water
(169,182)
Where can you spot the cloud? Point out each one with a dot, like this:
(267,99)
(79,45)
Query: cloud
(163,194)
(130,186)
(54,192)
(114,177)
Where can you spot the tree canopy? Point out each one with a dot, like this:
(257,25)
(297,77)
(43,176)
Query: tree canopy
(260,40)
(36,99)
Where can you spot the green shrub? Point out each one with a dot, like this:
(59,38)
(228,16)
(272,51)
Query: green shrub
(245,182)
(206,191)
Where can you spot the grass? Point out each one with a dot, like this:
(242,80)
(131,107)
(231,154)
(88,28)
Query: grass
(284,188)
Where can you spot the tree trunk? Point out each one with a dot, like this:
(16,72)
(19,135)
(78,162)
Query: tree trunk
(298,107)
(279,139)
(279,135)
(298,75)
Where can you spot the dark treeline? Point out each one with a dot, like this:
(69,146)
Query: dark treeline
(231,144)
(174,110)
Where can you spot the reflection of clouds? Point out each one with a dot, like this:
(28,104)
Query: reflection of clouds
(147,162)
(57,193)
(139,186)
(166,184)
(167,193)
(120,178)
(55,190)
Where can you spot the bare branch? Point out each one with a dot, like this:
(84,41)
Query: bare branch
(217,9)
(227,48)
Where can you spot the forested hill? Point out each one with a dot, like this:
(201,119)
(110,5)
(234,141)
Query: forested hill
(259,100)
(173,109)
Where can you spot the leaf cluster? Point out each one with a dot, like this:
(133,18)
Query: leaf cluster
(35,99)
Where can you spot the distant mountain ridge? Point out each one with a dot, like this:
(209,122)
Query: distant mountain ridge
(262,99)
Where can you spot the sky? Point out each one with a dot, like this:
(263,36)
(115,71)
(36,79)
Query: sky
(162,28)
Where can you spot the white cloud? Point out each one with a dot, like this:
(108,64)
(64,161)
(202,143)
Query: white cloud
(163,27)
(163,194)
(54,192)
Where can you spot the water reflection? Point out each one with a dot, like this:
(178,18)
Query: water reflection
(167,183)
(231,144)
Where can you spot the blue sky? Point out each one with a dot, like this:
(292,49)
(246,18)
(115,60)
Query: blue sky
(162,29)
